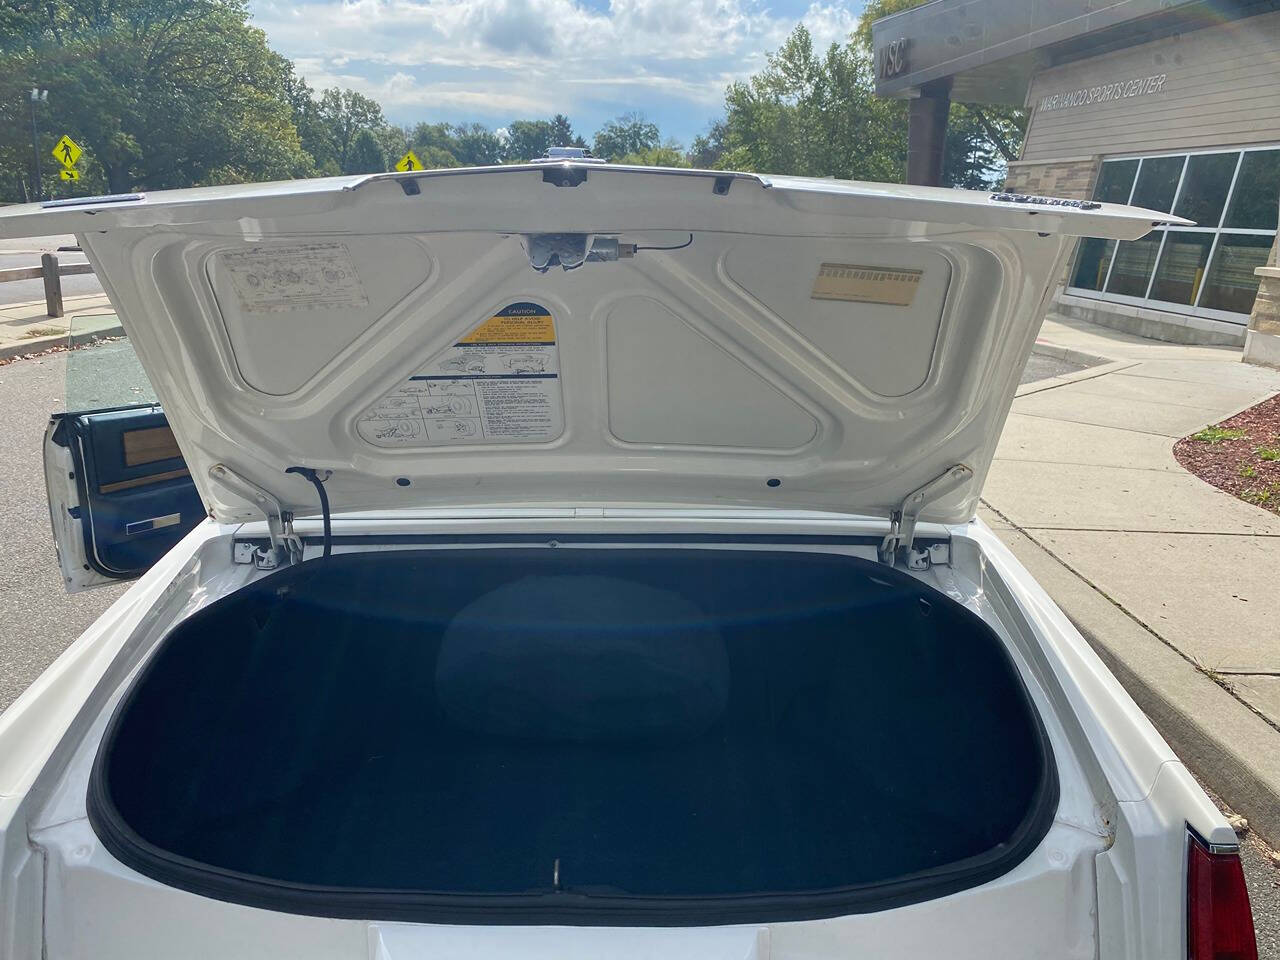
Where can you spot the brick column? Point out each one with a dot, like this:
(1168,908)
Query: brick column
(1262,340)
(1072,178)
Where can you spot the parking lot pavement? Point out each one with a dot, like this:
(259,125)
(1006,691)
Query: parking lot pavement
(1042,367)
(37,619)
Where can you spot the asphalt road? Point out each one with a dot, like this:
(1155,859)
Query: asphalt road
(1040,367)
(38,620)
(26,253)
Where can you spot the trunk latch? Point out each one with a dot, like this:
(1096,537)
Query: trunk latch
(899,545)
(285,546)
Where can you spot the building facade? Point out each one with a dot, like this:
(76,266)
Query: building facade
(1167,104)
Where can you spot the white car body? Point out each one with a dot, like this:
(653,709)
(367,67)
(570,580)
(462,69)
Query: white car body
(1107,880)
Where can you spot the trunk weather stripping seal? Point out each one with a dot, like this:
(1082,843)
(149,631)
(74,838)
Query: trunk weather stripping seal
(567,907)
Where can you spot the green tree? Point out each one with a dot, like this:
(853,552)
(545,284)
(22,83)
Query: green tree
(528,140)
(816,114)
(709,147)
(811,115)
(981,140)
(669,154)
(366,154)
(630,133)
(161,93)
(434,145)
(475,145)
(313,134)
(562,134)
(393,141)
(345,114)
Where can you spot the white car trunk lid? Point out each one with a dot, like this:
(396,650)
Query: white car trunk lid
(759,341)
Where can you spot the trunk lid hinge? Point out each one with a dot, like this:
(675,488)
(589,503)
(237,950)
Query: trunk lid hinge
(286,547)
(899,545)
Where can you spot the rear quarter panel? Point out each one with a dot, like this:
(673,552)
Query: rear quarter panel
(1141,874)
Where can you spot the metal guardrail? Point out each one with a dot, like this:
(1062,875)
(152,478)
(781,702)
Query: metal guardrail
(52,273)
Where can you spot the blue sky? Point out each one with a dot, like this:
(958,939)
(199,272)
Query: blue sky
(494,61)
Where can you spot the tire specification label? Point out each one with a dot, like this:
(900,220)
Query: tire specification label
(498,384)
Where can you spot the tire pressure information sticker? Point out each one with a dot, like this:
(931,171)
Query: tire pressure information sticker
(498,384)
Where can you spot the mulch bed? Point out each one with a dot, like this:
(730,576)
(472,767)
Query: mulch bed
(1232,455)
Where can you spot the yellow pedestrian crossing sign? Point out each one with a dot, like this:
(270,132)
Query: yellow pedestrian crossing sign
(69,173)
(66,151)
(409,162)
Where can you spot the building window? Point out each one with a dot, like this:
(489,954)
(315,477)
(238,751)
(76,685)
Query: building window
(1206,269)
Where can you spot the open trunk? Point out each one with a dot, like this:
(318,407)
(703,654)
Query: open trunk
(622,736)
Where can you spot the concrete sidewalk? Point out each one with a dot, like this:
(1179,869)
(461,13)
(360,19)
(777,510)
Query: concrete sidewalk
(26,328)
(1176,583)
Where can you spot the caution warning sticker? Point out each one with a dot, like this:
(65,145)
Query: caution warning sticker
(498,384)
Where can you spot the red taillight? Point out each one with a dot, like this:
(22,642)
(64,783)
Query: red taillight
(1219,921)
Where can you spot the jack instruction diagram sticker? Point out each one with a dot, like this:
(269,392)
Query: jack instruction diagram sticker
(498,384)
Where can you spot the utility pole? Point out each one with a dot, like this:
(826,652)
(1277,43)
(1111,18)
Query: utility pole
(37,186)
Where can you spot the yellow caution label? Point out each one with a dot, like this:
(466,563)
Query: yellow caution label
(518,323)
(498,384)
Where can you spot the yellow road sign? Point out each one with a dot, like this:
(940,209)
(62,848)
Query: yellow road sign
(409,162)
(69,173)
(66,151)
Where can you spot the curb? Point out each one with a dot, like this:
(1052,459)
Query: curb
(1219,737)
(1102,368)
(1068,354)
(22,348)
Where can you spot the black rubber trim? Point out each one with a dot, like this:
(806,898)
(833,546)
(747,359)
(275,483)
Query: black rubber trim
(562,907)
(74,430)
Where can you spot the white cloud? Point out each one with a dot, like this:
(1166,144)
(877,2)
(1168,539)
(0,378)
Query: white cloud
(829,24)
(505,58)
